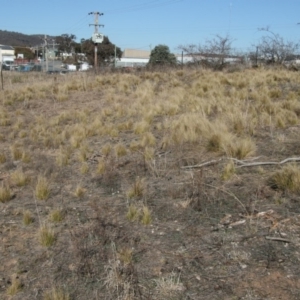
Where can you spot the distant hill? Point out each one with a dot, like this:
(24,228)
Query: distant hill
(12,38)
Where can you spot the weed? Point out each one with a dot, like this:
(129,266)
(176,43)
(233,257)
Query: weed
(42,188)
(27,218)
(5,193)
(46,236)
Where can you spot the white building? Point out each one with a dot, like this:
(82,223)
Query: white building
(133,58)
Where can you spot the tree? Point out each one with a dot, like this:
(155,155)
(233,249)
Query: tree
(105,53)
(161,55)
(274,49)
(214,52)
(27,52)
(66,42)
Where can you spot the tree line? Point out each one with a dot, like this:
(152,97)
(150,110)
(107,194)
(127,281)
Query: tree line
(271,48)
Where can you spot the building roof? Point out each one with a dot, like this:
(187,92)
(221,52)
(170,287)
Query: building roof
(135,53)
(5,47)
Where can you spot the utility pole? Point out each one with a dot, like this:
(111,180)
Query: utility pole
(45,52)
(95,37)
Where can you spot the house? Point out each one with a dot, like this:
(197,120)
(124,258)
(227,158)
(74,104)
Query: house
(133,58)
(7,50)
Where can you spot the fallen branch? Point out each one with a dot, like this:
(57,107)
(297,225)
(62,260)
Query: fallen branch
(208,163)
(278,239)
(243,163)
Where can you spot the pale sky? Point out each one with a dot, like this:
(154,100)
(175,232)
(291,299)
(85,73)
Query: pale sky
(143,24)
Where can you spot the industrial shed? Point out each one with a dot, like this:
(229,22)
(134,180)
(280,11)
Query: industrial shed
(133,58)
(7,50)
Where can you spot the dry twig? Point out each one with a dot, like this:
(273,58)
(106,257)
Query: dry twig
(243,163)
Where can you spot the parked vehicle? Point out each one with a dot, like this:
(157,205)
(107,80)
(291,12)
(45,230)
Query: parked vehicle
(71,68)
(7,61)
(29,68)
(84,67)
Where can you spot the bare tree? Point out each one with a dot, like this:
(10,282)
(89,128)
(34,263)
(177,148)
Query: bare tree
(214,52)
(274,49)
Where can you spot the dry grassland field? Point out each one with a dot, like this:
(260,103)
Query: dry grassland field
(178,184)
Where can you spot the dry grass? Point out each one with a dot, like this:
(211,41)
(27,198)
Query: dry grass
(286,179)
(148,199)
(14,288)
(56,215)
(5,193)
(27,217)
(42,188)
(137,189)
(56,294)
(46,235)
(19,178)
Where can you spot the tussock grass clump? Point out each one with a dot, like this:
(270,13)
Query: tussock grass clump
(101,167)
(27,217)
(46,236)
(56,294)
(42,188)
(137,189)
(19,178)
(5,193)
(84,168)
(141,127)
(228,170)
(214,143)
(240,148)
(125,256)
(106,149)
(56,216)
(286,179)
(146,216)
(14,288)
(79,191)
(2,158)
(83,153)
(120,150)
(133,213)
(62,159)
(169,286)
(16,152)
(26,158)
